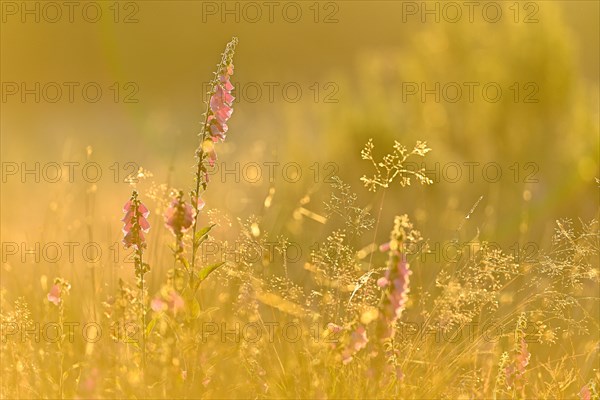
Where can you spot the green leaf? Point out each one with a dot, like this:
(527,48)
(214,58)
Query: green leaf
(192,305)
(205,271)
(194,308)
(210,310)
(202,235)
(186,263)
(133,343)
(150,326)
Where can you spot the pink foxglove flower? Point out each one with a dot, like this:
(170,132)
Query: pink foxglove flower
(522,358)
(179,217)
(135,223)
(515,371)
(396,286)
(221,103)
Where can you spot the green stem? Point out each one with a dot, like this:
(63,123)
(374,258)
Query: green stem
(143,306)
(61,312)
(377,227)
(200,154)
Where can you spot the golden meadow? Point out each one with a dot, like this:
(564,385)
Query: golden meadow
(401,201)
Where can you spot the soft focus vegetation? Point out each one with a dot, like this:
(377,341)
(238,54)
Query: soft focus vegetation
(371,275)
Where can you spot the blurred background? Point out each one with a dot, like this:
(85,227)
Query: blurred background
(97,94)
(314,81)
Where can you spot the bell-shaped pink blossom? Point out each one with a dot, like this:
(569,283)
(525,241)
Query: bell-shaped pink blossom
(54,295)
(209,148)
(201,203)
(382,282)
(59,289)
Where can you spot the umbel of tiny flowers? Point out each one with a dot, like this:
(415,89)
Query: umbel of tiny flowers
(218,111)
(394,165)
(135,226)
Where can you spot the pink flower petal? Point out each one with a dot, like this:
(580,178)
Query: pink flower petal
(585,393)
(382,282)
(54,295)
(143,210)
(144,224)
(334,328)
(157,305)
